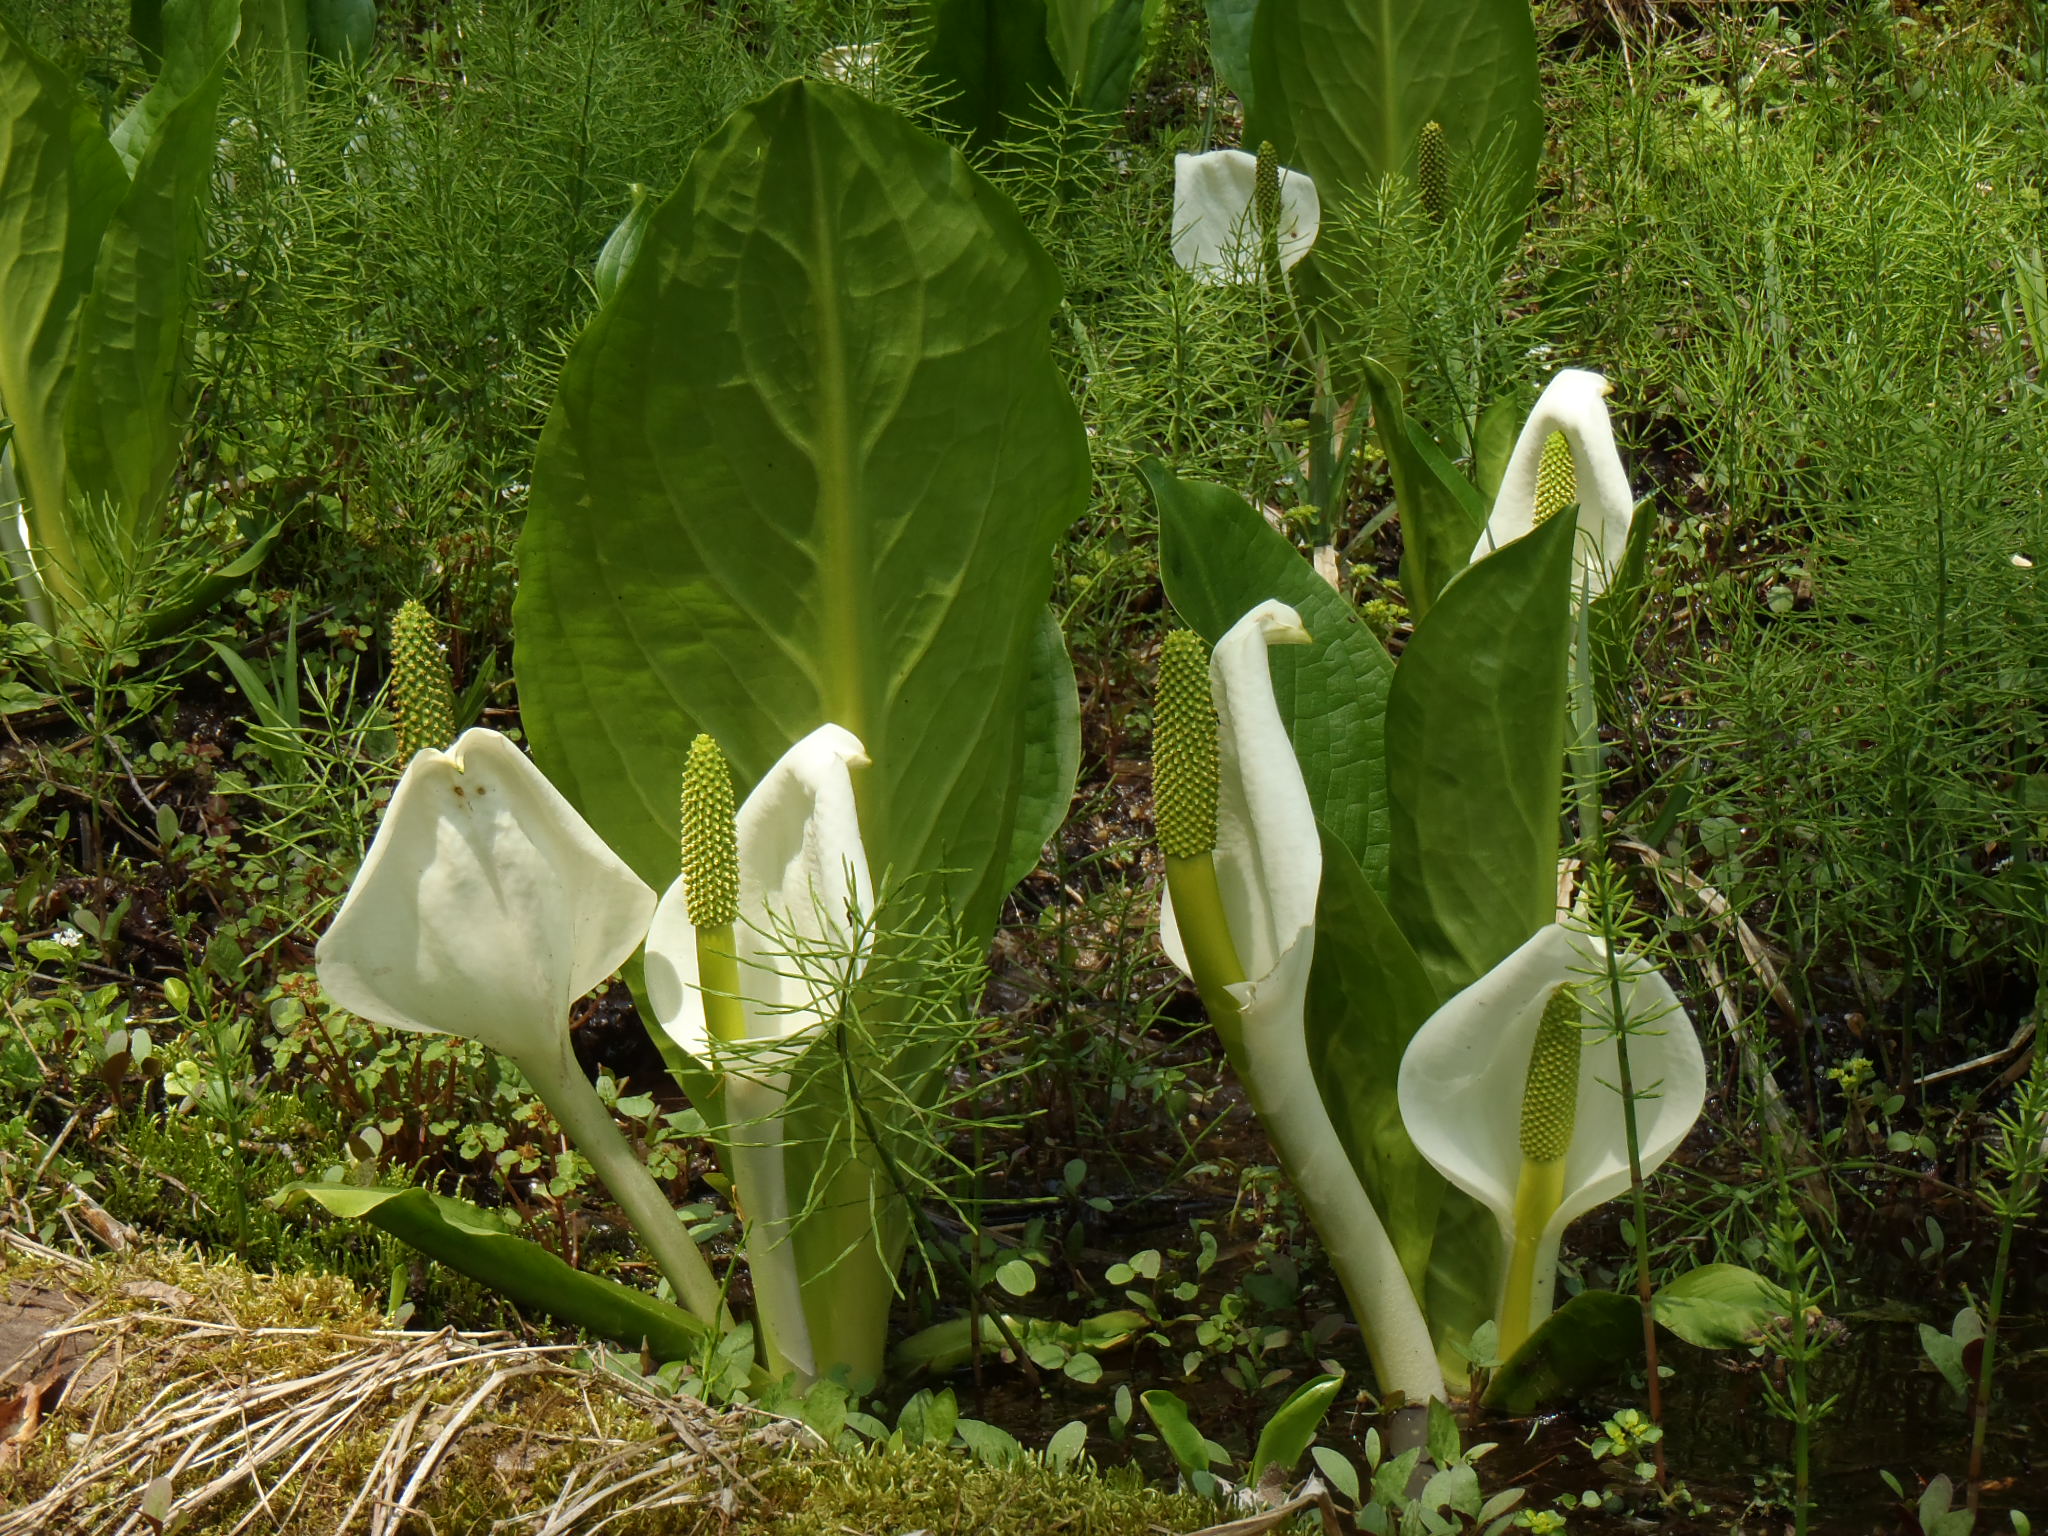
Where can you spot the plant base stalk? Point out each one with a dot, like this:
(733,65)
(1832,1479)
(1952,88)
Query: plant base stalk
(574,1103)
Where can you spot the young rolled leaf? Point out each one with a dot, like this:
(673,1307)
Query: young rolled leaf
(808,465)
(1470,1072)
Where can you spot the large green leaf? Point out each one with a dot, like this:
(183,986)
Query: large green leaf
(1344,87)
(476,1243)
(1219,559)
(1441,513)
(60,183)
(1051,763)
(994,62)
(1230,46)
(274,42)
(1099,45)
(125,418)
(1475,758)
(1592,1338)
(808,465)
(197,35)
(1367,995)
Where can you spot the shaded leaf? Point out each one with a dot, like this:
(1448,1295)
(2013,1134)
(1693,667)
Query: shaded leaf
(1591,1338)
(1348,85)
(1367,995)
(1051,719)
(994,63)
(1719,1306)
(1441,518)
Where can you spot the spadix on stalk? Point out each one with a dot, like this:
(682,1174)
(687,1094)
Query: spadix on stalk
(1587,469)
(1244,867)
(734,978)
(1509,1091)
(1217,223)
(486,906)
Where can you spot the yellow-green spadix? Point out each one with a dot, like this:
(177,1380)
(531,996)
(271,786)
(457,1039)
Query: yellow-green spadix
(801,898)
(1573,405)
(1267,865)
(1467,1077)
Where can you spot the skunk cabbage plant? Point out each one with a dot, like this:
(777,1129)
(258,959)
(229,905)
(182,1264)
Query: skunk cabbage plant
(101,239)
(1218,226)
(746,952)
(486,906)
(1510,1091)
(1566,454)
(1244,866)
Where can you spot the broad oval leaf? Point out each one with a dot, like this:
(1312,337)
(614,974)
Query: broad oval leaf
(1719,1306)
(1475,759)
(808,466)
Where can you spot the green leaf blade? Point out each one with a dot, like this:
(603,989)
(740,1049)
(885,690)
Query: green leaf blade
(807,466)
(1475,759)
(474,1243)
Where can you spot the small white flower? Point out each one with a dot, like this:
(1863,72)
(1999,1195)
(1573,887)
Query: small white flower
(1215,234)
(67,936)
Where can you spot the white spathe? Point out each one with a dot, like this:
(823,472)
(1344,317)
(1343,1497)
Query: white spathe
(1216,236)
(486,906)
(1574,403)
(1269,871)
(1464,1074)
(804,888)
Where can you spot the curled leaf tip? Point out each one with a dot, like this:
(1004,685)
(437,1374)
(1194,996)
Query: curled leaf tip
(1550,1101)
(1184,748)
(1557,479)
(711,857)
(422,688)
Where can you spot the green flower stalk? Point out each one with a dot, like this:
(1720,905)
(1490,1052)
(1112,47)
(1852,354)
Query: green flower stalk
(1243,871)
(422,687)
(1432,170)
(1550,1109)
